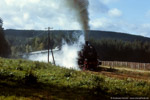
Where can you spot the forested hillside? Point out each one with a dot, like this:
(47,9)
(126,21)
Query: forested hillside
(111,46)
(92,34)
(24,41)
(117,36)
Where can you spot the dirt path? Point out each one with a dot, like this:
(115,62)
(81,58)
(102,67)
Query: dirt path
(124,76)
(123,73)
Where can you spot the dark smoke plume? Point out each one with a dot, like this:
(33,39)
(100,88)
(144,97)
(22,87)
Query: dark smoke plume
(81,9)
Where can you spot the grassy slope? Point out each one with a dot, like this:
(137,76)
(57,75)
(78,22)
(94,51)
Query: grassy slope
(27,80)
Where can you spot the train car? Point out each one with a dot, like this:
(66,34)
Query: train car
(87,57)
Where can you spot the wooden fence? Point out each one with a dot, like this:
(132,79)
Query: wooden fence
(134,65)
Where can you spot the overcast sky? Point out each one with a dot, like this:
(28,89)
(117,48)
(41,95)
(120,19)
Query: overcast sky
(129,16)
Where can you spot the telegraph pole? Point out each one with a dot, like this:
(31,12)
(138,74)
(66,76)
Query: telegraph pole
(49,46)
(48,41)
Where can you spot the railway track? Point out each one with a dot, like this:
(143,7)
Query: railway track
(123,73)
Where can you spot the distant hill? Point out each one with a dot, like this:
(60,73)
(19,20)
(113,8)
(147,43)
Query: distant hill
(118,36)
(111,46)
(93,34)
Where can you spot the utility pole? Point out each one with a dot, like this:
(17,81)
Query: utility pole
(49,46)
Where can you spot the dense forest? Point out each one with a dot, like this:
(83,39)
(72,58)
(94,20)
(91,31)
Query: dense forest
(119,50)
(111,46)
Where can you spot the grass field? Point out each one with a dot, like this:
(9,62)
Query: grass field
(27,80)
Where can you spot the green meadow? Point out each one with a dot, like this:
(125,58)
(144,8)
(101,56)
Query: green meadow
(28,80)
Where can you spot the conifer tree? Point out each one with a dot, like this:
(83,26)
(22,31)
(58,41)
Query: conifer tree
(4,47)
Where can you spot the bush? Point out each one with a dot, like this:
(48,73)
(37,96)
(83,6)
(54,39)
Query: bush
(30,78)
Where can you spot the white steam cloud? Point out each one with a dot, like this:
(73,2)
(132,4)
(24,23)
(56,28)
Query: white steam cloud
(66,57)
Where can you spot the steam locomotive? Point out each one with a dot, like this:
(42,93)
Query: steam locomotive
(87,57)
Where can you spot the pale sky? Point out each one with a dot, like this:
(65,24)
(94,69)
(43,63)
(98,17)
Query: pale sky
(128,16)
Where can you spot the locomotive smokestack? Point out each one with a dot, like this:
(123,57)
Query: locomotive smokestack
(81,9)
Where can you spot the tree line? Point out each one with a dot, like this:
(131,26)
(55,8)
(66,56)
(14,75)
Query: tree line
(118,50)
(108,49)
(4,46)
